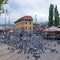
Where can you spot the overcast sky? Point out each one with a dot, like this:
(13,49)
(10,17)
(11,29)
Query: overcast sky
(19,8)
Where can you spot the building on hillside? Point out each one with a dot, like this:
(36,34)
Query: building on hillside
(25,23)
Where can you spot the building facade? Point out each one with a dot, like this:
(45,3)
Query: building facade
(25,23)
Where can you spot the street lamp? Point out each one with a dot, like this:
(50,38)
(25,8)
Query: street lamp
(5,17)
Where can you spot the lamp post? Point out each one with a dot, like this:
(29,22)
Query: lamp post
(9,21)
(6,13)
(5,19)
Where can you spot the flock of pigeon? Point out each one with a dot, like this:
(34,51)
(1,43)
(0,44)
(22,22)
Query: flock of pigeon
(30,43)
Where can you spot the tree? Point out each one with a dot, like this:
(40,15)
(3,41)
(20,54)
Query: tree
(56,15)
(59,20)
(2,2)
(51,9)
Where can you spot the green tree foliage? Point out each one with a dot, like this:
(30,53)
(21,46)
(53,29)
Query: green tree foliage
(59,20)
(56,15)
(2,2)
(51,14)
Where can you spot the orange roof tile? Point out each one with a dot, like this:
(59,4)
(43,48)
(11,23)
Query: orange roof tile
(25,18)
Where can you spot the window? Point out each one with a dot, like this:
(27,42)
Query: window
(30,27)
(30,22)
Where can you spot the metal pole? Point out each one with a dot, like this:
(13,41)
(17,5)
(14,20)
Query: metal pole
(5,18)
(9,21)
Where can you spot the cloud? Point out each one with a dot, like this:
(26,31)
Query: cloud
(19,8)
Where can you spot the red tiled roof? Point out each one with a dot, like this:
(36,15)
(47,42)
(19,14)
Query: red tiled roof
(25,18)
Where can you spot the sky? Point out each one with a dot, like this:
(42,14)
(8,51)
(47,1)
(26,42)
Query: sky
(19,8)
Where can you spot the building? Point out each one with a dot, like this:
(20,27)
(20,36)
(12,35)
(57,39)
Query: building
(25,23)
(36,27)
